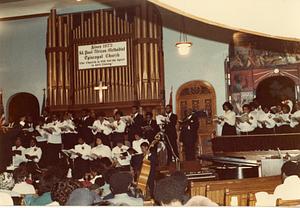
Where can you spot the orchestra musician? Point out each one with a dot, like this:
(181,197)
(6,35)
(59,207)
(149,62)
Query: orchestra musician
(171,132)
(101,128)
(189,134)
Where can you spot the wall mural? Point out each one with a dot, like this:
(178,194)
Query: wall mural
(253,60)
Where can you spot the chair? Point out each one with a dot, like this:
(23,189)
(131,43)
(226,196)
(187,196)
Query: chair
(281,202)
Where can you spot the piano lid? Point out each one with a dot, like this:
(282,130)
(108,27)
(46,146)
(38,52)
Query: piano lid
(230,160)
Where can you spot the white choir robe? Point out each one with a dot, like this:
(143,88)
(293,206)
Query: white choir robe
(17,159)
(43,133)
(84,149)
(294,122)
(136,145)
(102,127)
(102,150)
(67,123)
(229,117)
(245,126)
(119,126)
(34,151)
(55,137)
(267,118)
(116,153)
(286,117)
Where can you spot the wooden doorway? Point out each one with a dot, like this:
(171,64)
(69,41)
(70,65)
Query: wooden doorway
(23,104)
(200,96)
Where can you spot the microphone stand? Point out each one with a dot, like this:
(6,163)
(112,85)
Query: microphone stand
(167,140)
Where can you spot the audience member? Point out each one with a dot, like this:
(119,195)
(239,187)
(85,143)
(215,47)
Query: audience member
(119,185)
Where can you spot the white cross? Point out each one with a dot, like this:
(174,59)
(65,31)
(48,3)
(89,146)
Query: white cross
(101,88)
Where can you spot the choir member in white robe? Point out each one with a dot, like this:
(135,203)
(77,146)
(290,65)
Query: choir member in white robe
(121,156)
(33,153)
(136,144)
(283,120)
(18,153)
(54,144)
(69,133)
(119,127)
(102,129)
(265,121)
(295,119)
(227,120)
(247,122)
(82,158)
(101,150)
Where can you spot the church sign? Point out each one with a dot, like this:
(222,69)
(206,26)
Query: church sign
(102,55)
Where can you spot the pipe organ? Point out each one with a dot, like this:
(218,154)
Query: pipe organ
(140,81)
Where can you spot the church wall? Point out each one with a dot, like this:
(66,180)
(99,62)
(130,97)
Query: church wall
(23,62)
(204,62)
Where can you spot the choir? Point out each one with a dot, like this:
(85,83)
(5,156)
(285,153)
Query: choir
(259,119)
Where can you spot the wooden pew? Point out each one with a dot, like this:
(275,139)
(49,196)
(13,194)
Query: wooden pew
(281,202)
(221,191)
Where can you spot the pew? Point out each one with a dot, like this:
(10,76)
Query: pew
(281,202)
(222,191)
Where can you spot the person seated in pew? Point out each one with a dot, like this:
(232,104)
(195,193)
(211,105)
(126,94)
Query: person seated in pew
(20,175)
(283,120)
(119,184)
(100,150)
(33,153)
(288,190)
(265,121)
(246,123)
(168,192)
(18,152)
(82,159)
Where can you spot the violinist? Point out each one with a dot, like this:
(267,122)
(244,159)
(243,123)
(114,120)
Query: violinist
(189,134)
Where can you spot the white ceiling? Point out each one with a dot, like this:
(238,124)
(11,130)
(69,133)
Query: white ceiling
(270,18)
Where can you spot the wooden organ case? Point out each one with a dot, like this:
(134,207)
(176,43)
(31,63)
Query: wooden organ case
(140,82)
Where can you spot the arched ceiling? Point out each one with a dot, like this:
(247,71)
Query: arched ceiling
(270,18)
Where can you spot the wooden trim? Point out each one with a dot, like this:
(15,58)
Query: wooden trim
(25,16)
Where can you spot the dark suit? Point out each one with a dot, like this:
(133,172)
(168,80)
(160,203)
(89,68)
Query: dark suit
(136,126)
(170,130)
(189,135)
(150,130)
(86,132)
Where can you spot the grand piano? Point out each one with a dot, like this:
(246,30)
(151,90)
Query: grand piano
(243,156)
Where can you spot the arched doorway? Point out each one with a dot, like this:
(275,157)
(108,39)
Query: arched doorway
(200,96)
(23,104)
(271,90)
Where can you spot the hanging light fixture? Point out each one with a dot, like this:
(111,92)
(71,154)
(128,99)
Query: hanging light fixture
(183,45)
